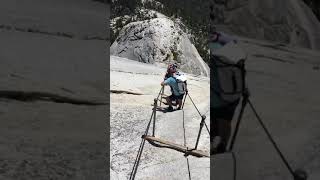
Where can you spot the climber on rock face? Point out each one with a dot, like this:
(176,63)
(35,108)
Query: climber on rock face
(220,38)
(176,90)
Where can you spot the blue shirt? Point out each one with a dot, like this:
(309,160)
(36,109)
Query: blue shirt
(173,83)
(215,99)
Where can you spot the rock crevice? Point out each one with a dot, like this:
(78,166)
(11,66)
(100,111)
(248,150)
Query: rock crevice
(44,96)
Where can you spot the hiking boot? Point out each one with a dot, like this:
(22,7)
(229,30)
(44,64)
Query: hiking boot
(170,108)
(214,145)
(221,148)
(217,146)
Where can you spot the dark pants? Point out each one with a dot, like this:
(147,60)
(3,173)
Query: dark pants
(178,100)
(220,124)
(174,97)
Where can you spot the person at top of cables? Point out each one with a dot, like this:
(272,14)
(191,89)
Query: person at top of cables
(226,86)
(177,87)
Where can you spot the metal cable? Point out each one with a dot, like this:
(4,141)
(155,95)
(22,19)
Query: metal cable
(194,104)
(234,166)
(137,161)
(188,168)
(272,140)
(185,143)
(207,128)
(247,100)
(138,157)
(199,113)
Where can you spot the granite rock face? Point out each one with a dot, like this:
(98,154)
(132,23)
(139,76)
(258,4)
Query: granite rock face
(159,40)
(289,21)
(134,85)
(49,58)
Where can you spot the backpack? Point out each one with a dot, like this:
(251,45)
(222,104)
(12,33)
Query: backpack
(228,79)
(182,83)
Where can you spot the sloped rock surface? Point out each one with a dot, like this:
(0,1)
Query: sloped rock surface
(289,21)
(43,133)
(282,85)
(130,115)
(83,20)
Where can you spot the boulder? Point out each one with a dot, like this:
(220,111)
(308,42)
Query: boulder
(159,40)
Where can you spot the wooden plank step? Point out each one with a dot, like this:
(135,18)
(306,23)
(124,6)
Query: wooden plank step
(165,103)
(166,144)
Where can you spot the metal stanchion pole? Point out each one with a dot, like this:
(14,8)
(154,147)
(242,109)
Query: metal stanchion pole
(154,115)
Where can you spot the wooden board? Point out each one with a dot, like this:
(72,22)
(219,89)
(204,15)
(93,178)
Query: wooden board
(166,144)
(165,109)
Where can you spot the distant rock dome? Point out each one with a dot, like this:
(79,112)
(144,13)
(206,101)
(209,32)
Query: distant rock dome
(159,40)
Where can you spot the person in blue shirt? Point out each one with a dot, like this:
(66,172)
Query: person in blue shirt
(222,111)
(172,82)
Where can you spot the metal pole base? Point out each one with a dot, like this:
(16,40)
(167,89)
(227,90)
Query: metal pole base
(203,117)
(300,174)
